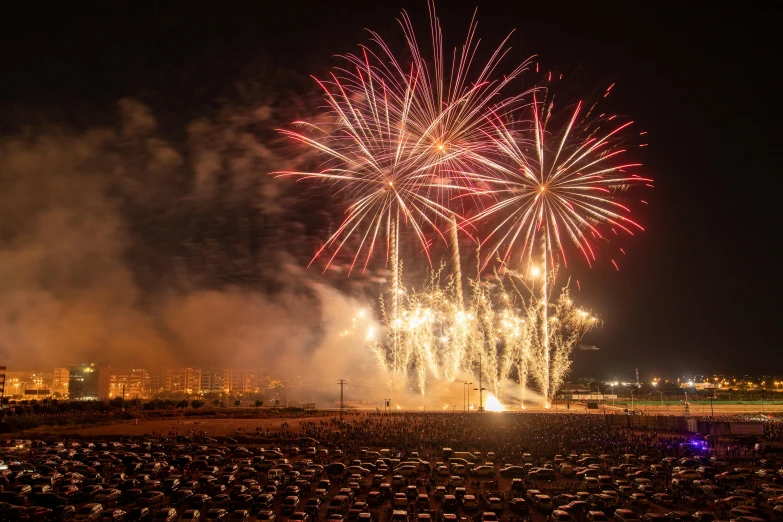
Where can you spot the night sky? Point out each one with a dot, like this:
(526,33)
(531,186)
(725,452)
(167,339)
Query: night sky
(697,292)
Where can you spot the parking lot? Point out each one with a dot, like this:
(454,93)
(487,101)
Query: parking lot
(405,467)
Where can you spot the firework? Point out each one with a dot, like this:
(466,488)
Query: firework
(433,337)
(551,187)
(418,145)
(555,187)
(400,142)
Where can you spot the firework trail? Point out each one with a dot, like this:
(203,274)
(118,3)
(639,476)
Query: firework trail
(432,337)
(400,141)
(569,325)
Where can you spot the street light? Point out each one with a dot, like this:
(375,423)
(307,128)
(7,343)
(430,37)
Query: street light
(465,384)
(632,408)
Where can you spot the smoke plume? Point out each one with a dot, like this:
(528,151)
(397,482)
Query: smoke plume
(121,246)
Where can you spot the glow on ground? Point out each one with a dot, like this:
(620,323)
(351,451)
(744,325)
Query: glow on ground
(493,404)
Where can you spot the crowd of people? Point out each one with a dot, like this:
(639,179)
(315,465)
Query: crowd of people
(508,436)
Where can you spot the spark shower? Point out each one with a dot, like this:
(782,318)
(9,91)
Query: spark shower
(434,148)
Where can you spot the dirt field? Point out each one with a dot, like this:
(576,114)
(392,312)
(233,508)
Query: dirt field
(186,426)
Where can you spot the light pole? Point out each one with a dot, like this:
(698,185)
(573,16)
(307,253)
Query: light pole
(465,388)
(632,408)
(480,388)
(612,389)
(663,405)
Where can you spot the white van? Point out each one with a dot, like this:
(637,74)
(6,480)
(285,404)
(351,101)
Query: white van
(463,455)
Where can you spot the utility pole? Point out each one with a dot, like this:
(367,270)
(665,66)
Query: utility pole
(480,388)
(341,382)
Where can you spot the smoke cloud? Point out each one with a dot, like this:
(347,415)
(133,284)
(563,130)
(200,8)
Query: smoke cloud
(121,246)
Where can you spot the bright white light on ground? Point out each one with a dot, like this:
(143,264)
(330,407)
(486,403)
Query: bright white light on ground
(493,404)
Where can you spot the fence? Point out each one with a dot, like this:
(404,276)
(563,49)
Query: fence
(686,424)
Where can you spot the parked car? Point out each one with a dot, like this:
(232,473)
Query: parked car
(624,515)
(139,514)
(166,515)
(289,506)
(518,506)
(89,512)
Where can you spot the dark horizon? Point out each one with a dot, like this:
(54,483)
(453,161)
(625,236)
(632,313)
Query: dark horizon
(695,292)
